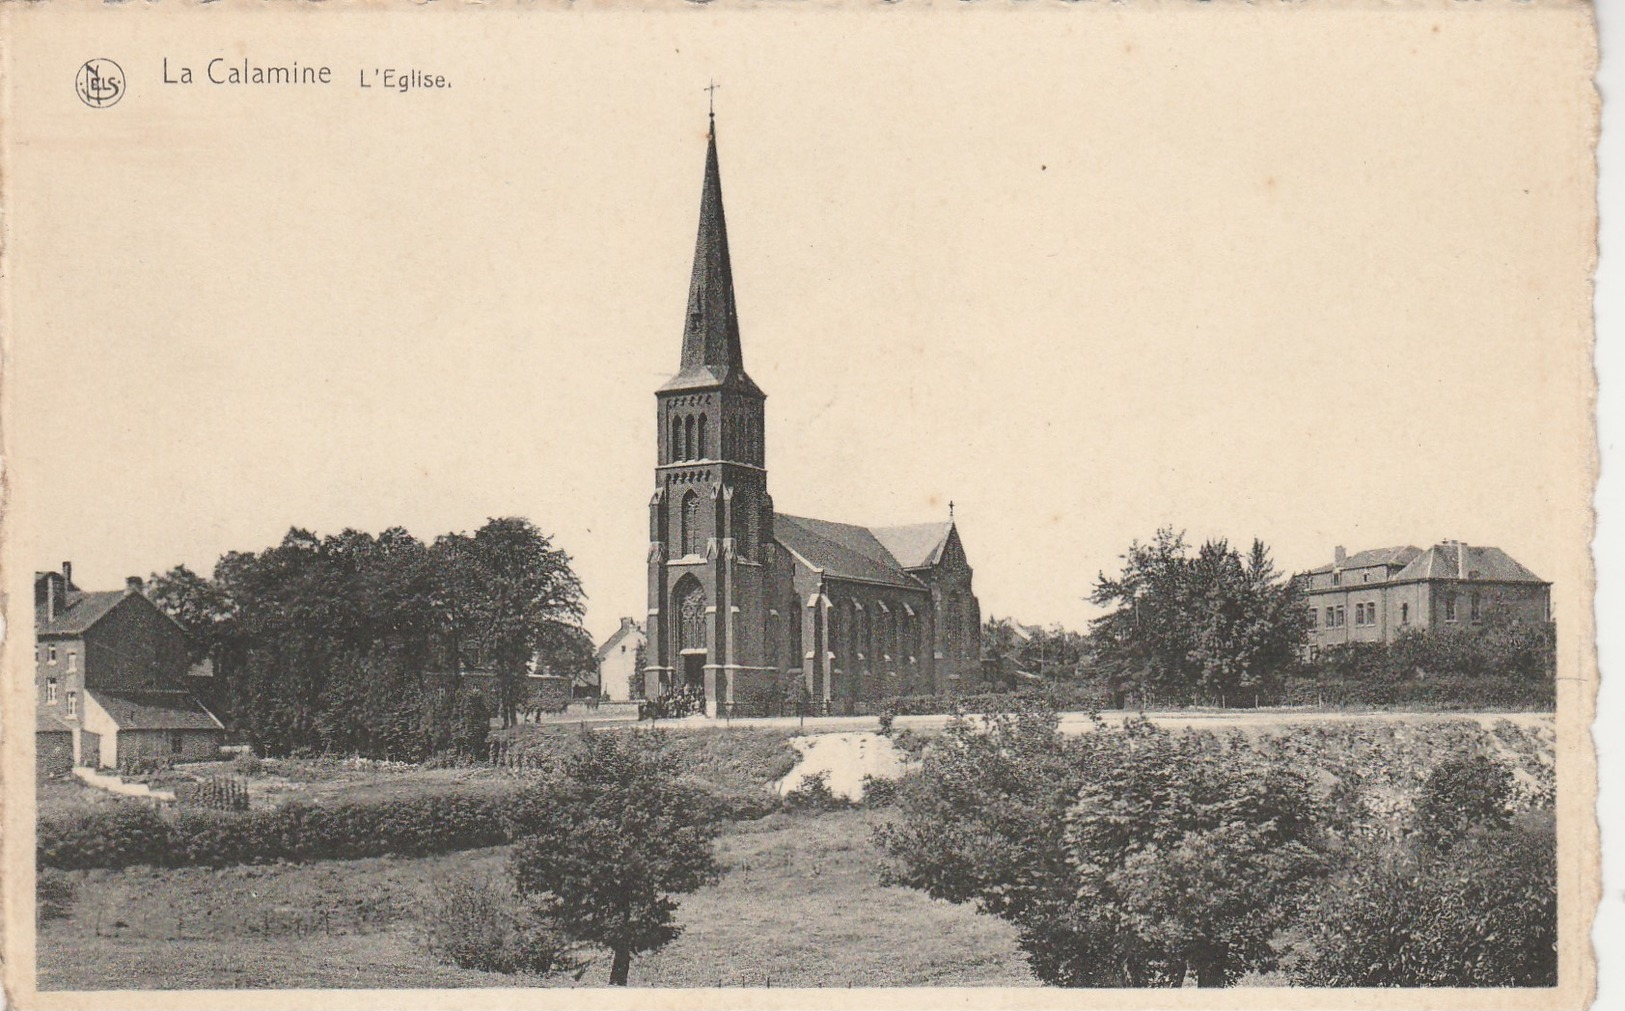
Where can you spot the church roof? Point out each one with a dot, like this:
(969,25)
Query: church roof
(711,352)
(841,550)
(1442,561)
(917,545)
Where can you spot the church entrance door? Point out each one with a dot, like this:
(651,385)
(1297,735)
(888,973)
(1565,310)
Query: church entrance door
(694,672)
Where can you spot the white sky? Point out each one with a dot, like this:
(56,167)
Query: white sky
(1082,283)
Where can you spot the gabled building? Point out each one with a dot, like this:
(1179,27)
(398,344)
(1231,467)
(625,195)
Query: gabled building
(112,668)
(748,604)
(1374,595)
(620,674)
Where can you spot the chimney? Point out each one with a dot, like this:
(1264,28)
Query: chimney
(132,584)
(1461,560)
(50,598)
(67,574)
(1339,556)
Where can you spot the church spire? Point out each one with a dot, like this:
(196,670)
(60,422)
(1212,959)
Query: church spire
(711,334)
(711,351)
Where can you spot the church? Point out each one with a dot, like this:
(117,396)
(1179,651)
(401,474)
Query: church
(749,606)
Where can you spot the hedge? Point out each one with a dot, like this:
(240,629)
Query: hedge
(1441,692)
(131,834)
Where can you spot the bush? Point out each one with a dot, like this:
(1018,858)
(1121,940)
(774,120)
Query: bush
(478,921)
(123,835)
(248,765)
(879,791)
(1480,913)
(1461,793)
(131,834)
(813,794)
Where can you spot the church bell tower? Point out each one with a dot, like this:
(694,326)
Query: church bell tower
(710,520)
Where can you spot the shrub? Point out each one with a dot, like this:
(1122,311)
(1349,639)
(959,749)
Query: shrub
(131,834)
(1480,913)
(478,921)
(879,791)
(248,764)
(813,794)
(54,892)
(1460,793)
(123,835)
(1129,856)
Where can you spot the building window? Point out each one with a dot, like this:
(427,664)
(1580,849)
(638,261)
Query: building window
(1342,616)
(177,742)
(676,449)
(73,703)
(1314,652)
(1404,614)
(688,438)
(50,653)
(1450,607)
(1337,579)
(73,657)
(1314,618)
(50,691)
(704,442)
(1365,577)
(1475,606)
(1331,617)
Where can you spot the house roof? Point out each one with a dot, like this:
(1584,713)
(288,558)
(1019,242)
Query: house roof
(1442,561)
(48,722)
(1376,556)
(917,545)
(80,611)
(155,710)
(841,550)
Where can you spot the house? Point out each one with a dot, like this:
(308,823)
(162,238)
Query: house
(1373,596)
(618,659)
(111,667)
(749,605)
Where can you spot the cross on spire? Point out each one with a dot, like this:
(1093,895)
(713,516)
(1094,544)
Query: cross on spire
(711,97)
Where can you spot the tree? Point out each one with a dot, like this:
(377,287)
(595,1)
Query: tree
(1212,626)
(504,595)
(603,852)
(355,643)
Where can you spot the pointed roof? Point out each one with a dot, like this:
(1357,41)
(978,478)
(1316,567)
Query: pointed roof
(79,612)
(917,545)
(711,352)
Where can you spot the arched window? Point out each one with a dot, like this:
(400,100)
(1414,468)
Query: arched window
(688,599)
(793,615)
(675,450)
(847,650)
(750,536)
(691,524)
(688,437)
(703,444)
(950,626)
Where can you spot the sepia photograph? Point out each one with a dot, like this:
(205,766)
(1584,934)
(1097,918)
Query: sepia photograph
(741,504)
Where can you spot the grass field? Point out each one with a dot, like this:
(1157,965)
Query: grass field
(796,890)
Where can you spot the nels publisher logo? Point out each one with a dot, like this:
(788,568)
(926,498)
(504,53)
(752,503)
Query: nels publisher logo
(100,83)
